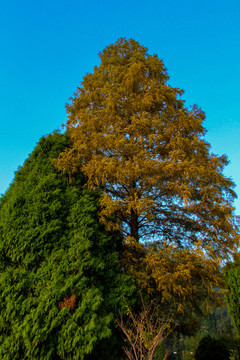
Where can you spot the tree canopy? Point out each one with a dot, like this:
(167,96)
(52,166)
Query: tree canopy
(133,137)
(61,284)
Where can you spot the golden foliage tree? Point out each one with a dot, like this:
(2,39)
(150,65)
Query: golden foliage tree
(133,137)
(186,282)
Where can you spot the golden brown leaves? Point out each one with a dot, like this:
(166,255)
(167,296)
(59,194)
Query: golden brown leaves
(180,277)
(69,302)
(136,141)
(68,162)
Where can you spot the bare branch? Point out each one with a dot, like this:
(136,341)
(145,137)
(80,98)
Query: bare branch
(144,332)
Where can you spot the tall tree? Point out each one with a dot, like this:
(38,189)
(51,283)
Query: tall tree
(61,284)
(135,139)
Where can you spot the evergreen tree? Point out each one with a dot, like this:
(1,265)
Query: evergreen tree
(232,275)
(61,285)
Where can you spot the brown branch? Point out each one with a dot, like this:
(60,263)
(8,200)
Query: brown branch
(144,332)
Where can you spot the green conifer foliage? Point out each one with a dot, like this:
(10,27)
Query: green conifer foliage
(232,275)
(61,285)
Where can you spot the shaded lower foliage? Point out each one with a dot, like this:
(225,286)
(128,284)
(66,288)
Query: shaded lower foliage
(232,276)
(61,285)
(210,348)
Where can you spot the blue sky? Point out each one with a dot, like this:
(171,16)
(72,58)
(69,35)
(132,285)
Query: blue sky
(48,46)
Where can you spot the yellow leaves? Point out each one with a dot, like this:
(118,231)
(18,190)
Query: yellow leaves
(136,141)
(108,208)
(145,150)
(132,79)
(68,162)
(182,275)
(132,259)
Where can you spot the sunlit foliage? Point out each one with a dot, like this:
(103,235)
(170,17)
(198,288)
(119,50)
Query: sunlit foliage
(185,282)
(133,138)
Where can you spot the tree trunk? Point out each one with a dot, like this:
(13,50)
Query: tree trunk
(134,225)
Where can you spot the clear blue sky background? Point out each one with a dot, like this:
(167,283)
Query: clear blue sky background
(48,46)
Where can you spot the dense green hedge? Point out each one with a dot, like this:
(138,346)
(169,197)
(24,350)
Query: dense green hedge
(232,276)
(61,285)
